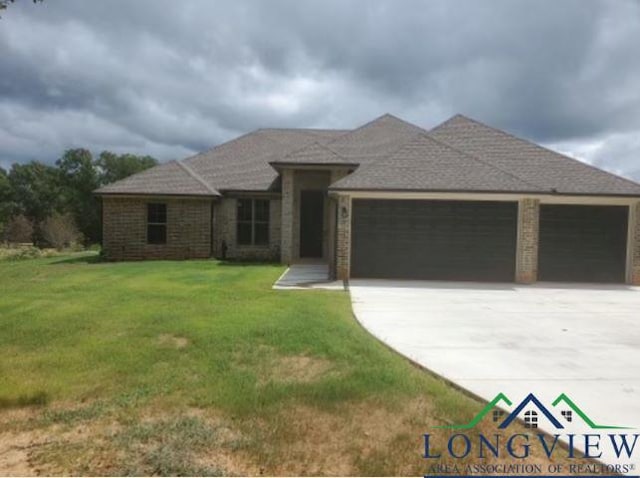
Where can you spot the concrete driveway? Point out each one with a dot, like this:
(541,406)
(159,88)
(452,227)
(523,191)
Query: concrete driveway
(545,339)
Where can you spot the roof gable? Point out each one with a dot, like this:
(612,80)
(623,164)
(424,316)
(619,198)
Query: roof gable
(375,139)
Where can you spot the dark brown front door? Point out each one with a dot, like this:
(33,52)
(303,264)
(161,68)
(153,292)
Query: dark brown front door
(311,219)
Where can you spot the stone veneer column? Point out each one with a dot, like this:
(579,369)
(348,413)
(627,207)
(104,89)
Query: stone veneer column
(343,246)
(634,224)
(286,225)
(528,236)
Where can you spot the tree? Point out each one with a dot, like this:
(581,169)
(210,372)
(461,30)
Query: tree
(5,199)
(35,190)
(60,231)
(38,191)
(19,230)
(78,179)
(114,167)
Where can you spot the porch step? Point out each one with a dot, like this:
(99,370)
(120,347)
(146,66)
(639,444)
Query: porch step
(303,275)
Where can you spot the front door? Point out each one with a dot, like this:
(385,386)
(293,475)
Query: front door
(311,220)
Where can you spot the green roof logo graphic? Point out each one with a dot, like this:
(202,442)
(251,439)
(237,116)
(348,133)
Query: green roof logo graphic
(531,399)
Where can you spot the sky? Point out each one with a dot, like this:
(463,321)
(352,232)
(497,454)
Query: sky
(171,78)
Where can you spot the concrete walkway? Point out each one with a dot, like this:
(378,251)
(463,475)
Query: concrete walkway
(307,276)
(545,339)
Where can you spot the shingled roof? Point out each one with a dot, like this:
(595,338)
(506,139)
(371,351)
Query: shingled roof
(548,170)
(427,164)
(387,153)
(172,178)
(240,164)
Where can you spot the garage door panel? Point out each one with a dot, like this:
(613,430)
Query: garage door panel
(444,240)
(583,243)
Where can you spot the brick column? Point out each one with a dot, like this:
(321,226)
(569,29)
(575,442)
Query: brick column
(286,224)
(343,246)
(634,236)
(528,234)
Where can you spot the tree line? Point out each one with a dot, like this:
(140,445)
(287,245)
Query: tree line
(53,205)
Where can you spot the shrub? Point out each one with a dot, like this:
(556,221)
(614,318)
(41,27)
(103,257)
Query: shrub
(25,252)
(18,253)
(19,230)
(60,231)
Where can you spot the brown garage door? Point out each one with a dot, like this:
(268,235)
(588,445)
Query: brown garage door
(438,240)
(583,243)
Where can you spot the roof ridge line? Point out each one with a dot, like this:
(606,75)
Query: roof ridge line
(368,123)
(393,152)
(307,146)
(426,135)
(375,162)
(138,173)
(397,118)
(486,163)
(549,150)
(213,148)
(197,177)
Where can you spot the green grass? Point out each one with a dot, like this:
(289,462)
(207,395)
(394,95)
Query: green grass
(76,329)
(140,344)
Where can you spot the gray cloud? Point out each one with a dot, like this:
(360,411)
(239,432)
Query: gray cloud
(170,78)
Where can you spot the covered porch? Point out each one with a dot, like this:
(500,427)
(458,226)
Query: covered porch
(309,215)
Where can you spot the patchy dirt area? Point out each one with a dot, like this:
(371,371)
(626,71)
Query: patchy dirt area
(173,341)
(361,438)
(14,453)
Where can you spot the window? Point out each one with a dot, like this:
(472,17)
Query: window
(497,415)
(156,223)
(531,419)
(253,222)
(568,415)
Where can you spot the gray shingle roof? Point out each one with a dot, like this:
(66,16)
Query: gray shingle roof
(427,164)
(548,170)
(314,153)
(239,164)
(460,154)
(374,140)
(243,163)
(171,178)
(370,142)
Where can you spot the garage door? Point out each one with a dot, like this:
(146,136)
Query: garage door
(439,240)
(583,243)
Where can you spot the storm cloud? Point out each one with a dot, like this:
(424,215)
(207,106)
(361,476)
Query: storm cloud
(171,78)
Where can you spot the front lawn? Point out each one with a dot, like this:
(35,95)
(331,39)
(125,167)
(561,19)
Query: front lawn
(199,367)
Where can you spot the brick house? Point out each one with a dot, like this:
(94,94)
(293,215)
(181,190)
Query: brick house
(463,201)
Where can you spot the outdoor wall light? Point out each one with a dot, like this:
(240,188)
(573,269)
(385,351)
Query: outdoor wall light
(344,213)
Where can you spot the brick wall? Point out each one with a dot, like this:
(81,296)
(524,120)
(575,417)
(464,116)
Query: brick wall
(343,238)
(336,174)
(225,230)
(125,229)
(635,245)
(528,237)
(286,237)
